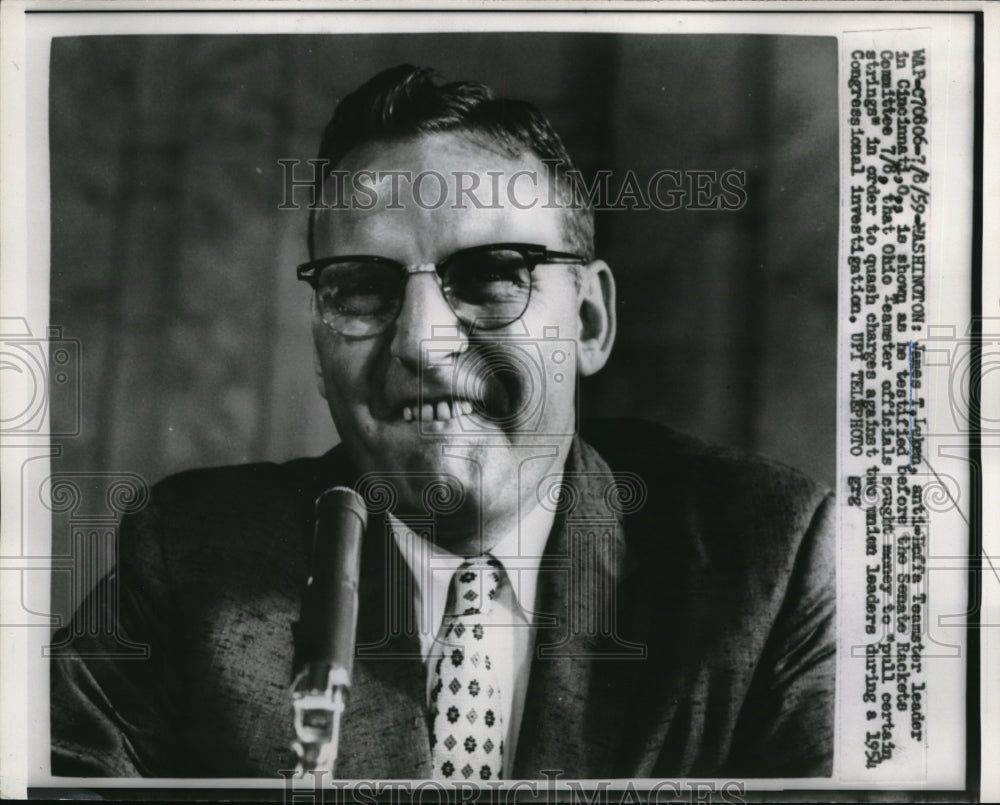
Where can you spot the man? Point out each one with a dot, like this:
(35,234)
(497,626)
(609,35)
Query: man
(645,606)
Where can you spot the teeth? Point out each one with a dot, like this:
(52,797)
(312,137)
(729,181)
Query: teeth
(438,413)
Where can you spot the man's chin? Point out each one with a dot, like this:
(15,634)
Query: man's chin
(422,478)
(453,508)
(458,478)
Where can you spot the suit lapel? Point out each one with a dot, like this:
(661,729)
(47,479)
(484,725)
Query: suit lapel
(584,662)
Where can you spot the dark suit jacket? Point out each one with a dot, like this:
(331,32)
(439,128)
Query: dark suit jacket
(686,611)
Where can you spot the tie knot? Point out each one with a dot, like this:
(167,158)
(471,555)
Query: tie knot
(474,586)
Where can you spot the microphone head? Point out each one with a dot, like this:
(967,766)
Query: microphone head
(341,498)
(326,630)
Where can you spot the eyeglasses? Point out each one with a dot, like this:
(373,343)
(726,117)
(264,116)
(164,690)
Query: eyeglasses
(487,287)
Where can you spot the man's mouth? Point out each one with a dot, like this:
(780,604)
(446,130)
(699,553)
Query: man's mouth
(440,410)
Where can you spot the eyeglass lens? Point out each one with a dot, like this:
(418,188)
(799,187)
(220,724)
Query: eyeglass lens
(485,288)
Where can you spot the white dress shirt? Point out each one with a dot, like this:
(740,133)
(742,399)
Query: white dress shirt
(520,551)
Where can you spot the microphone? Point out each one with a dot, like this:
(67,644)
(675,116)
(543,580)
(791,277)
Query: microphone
(327,629)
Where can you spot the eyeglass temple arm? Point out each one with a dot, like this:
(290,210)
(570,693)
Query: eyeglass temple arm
(307,274)
(561,257)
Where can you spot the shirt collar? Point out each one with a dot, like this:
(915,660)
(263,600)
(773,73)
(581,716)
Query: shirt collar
(519,551)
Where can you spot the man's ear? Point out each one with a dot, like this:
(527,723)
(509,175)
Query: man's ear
(320,383)
(317,366)
(598,321)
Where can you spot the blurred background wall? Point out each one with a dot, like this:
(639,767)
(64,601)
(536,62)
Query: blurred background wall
(175,270)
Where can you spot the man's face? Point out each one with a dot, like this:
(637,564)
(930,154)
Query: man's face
(428,399)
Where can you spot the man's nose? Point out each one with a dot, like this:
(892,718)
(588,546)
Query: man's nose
(424,314)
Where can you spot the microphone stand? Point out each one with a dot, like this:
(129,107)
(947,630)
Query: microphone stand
(317,714)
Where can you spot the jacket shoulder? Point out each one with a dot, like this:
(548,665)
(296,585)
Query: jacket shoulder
(231,516)
(717,499)
(665,456)
(245,486)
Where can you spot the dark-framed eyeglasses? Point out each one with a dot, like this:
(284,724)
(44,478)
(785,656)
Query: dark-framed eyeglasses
(487,287)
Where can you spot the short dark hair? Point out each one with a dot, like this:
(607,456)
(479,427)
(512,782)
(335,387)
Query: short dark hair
(406,101)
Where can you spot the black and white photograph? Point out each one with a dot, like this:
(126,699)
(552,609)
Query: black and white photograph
(584,405)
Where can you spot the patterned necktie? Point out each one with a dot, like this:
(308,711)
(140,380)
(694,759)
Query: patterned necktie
(465,713)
